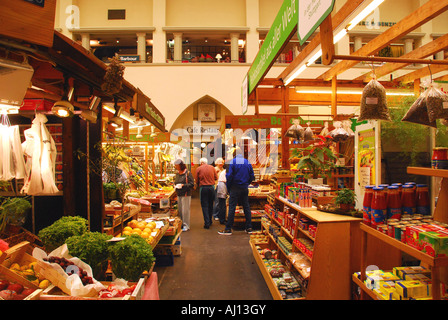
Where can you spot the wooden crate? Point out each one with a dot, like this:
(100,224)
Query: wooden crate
(54,293)
(13,277)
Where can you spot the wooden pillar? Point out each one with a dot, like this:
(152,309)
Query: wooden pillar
(68,167)
(326,38)
(285,125)
(257,106)
(334,96)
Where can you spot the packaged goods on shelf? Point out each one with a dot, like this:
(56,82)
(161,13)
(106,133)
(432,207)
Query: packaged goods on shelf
(402,272)
(413,289)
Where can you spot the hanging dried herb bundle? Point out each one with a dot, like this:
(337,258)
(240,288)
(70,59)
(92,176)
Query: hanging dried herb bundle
(295,131)
(114,76)
(437,104)
(374,102)
(418,112)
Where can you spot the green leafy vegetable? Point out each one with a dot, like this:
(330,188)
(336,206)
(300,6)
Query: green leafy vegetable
(56,234)
(131,257)
(92,248)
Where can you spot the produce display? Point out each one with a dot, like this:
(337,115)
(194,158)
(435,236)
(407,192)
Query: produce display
(116,291)
(28,271)
(57,233)
(13,291)
(70,268)
(147,230)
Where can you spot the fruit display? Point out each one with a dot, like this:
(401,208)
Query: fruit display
(65,265)
(147,230)
(29,272)
(258,237)
(10,290)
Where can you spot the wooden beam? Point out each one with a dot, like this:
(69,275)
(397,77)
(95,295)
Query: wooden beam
(285,126)
(423,14)
(390,59)
(424,51)
(322,83)
(422,72)
(337,19)
(326,40)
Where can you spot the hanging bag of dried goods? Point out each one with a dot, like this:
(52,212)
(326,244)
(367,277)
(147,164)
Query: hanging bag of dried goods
(338,133)
(308,134)
(437,103)
(374,102)
(295,131)
(325,130)
(418,112)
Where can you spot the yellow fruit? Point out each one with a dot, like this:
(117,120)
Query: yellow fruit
(133,224)
(15,266)
(152,224)
(127,232)
(150,239)
(144,235)
(28,272)
(36,282)
(147,230)
(24,267)
(44,284)
(32,265)
(127,228)
(136,231)
(141,225)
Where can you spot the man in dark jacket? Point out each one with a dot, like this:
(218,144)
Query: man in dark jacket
(240,175)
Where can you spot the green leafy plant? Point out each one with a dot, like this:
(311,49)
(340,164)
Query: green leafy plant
(345,196)
(92,248)
(317,158)
(14,211)
(57,233)
(131,257)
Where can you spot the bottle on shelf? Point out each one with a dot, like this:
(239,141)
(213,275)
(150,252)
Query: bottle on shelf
(379,207)
(367,205)
(393,203)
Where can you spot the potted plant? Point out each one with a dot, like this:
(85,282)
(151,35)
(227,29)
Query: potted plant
(345,199)
(13,212)
(317,158)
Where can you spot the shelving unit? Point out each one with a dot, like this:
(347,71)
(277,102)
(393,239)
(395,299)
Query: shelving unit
(331,256)
(439,266)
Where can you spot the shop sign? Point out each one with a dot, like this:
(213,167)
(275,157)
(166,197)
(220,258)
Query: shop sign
(148,111)
(311,13)
(283,26)
(129,58)
(203,130)
(40,3)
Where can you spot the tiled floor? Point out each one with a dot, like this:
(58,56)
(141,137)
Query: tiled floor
(212,266)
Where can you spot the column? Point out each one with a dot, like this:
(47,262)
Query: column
(177,47)
(159,35)
(343,46)
(85,40)
(408,45)
(141,46)
(234,50)
(252,36)
(357,43)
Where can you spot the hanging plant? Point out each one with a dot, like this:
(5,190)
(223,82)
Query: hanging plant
(114,76)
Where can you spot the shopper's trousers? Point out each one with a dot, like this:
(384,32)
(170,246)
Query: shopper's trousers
(241,196)
(222,209)
(183,207)
(207,197)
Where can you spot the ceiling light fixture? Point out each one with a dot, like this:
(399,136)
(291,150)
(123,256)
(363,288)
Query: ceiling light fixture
(64,108)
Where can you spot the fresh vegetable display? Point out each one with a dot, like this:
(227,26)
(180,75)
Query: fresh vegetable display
(29,272)
(57,233)
(113,291)
(92,248)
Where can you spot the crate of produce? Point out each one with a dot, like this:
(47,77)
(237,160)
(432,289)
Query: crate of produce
(19,262)
(112,291)
(24,235)
(14,287)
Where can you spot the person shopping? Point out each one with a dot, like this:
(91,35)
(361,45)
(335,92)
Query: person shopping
(184,183)
(205,180)
(239,175)
(221,192)
(219,167)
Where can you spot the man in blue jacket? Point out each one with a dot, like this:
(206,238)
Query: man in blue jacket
(240,175)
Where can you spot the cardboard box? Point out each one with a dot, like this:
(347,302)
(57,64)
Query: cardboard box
(434,243)
(375,281)
(401,272)
(413,289)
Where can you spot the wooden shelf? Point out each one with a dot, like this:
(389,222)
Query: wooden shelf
(428,172)
(433,262)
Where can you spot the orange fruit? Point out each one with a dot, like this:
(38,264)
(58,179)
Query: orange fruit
(133,223)
(136,231)
(126,233)
(147,230)
(144,235)
(127,228)
(141,225)
(152,224)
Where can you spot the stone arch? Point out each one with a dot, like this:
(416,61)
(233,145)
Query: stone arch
(190,114)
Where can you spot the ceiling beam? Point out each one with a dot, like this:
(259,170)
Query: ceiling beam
(424,51)
(337,19)
(420,16)
(422,72)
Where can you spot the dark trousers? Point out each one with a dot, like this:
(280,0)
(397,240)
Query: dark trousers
(222,208)
(241,196)
(207,196)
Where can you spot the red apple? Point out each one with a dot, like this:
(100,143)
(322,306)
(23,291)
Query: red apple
(17,287)
(7,294)
(4,284)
